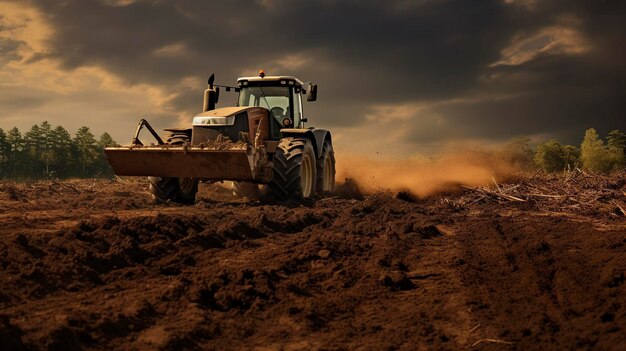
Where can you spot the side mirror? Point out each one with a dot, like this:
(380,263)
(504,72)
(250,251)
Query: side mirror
(311,94)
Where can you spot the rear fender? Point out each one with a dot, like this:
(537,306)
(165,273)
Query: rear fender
(317,136)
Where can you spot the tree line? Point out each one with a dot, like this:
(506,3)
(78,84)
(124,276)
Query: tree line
(594,154)
(51,152)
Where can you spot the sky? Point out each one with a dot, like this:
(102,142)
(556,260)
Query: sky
(395,77)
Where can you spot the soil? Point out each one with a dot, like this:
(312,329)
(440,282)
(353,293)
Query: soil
(93,264)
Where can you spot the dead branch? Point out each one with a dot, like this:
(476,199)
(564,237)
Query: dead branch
(504,196)
(534,175)
(620,208)
(545,195)
(474,329)
(497,341)
(496,183)
(121,180)
(478,199)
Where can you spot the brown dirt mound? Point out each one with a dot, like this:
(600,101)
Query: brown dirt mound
(95,265)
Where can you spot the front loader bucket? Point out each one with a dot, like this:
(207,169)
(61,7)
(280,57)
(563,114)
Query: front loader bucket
(236,164)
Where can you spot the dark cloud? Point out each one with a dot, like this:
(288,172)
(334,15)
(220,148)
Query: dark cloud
(369,53)
(8,50)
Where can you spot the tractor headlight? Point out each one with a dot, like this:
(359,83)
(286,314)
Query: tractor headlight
(213,121)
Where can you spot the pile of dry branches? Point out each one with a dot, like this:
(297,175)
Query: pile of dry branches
(573,190)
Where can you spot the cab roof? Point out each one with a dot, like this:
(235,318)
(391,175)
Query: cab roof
(297,81)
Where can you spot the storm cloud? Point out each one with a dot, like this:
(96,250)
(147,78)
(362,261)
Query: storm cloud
(410,72)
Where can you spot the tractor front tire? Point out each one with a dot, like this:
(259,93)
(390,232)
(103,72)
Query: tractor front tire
(251,191)
(294,174)
(179,190)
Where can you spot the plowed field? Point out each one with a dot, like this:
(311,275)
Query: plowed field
(90,264)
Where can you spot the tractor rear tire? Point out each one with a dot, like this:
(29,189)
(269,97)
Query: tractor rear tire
(294,174)
(326,169)
(179,190)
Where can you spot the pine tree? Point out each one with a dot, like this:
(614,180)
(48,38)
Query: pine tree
(103,166)
(593,153)
(46,153)
(15,163)
(33,162)
(63,150)
(5,150)
(87,151)
(106,140)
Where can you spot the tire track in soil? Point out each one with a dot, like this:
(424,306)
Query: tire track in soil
(439,277)
(550,284)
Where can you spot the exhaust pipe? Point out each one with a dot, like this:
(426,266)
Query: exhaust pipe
(211,96)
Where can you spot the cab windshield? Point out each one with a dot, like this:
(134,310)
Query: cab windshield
(275,99)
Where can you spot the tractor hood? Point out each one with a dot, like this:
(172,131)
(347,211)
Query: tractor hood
(221,117)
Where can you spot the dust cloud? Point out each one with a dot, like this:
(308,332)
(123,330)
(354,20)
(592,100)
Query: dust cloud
(425,176)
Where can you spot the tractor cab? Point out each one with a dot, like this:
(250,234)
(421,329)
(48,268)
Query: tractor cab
(281,95)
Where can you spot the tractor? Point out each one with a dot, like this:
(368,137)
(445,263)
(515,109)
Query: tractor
(261,145)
